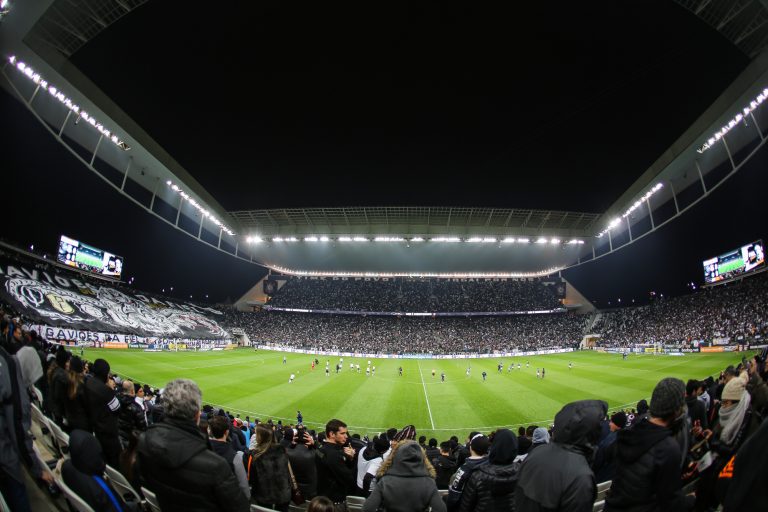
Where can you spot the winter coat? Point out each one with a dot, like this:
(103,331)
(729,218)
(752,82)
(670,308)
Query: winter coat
(302,459)
(86,460)
(235,459)
(76,411)
(557,476)
(647,471)
(492,486)
(453,499)
(131,418)
(406,486)
(335,474)
(103,406)
(605,464)
(697,411)
(445,468)
(177,464)
(59,385)
(269,478)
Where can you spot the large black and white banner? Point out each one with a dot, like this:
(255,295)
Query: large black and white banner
(60,300)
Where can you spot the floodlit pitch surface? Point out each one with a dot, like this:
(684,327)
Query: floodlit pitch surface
(253,383)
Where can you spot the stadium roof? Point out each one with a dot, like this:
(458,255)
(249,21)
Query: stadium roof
(44,35)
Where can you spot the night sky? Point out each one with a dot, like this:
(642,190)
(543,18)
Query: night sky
(277,107)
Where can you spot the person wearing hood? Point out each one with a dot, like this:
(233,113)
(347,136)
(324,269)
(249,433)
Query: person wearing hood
(103,411)
(648,468)
(175,460)
(17,374)
(478,450)
(83,472)
(540,437)
(58,382)
(405,483)
(491,488)
(557,476)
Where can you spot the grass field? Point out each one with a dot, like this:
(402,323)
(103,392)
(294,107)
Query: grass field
(256,384)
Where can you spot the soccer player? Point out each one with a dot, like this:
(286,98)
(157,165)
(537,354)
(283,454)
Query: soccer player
(484,375)
(511,367)
(368,371)
(501,366)
(570,365)
(373,371)
(468,369)
(527,364)
(327,372)
(537,373)
(542,372)
(290,379)
(357,367)
(433,373)
(519,365)
(351,367)
(400,370)
(442,377)
(284,360)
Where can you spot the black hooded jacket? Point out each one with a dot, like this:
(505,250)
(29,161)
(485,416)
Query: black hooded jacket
(492,486)
(557,476)
(86,460)
(176,463)
(406,486)
(647,471)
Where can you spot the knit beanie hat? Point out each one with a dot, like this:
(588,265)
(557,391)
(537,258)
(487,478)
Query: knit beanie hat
(407,433)
(734,390)
(668,397)
(100,369)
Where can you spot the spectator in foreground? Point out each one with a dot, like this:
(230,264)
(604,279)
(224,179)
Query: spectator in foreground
(605,463)
(218,436)
(176,464)
(445,466)
(268,472)
(84,474)
(557,476)
(478,450)
(405,483)
(492,486)
(301,456)
(103,411)
(648,473)
(335,464)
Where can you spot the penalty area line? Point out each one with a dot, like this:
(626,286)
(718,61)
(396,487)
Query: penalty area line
(429,409)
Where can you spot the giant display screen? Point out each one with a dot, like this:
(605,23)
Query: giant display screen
(735,263)
(88,258)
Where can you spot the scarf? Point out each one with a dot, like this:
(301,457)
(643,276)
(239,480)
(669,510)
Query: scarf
(732,418)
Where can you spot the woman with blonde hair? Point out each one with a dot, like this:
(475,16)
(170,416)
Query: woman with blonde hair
(405,482)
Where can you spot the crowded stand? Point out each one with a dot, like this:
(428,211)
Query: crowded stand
(396,335)
(417,294)
(117,445)
(730,313)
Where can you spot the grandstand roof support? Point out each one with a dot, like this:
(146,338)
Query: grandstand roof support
(701,176)
(125,175)
(650,213)
(757,126)
(96,149)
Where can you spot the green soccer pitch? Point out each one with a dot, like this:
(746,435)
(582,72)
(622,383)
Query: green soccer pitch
(255,383)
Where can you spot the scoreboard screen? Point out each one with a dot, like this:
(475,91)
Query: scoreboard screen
(88,258)
(735,263)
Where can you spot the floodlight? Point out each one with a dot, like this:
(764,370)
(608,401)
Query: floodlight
(523,240)
(345,239)
(417,239)
(324,239)
(360,239)
(541,241)
(555,241)
(310,239)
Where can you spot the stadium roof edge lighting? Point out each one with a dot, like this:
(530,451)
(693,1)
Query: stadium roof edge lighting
(634,206)
(406,240)
(203,211)
(745,111)
(438,275)
(35,77)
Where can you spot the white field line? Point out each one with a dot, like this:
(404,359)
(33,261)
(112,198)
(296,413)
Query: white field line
(429,409)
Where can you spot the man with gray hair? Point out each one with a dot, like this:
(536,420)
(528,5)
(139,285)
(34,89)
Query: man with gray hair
(176,462)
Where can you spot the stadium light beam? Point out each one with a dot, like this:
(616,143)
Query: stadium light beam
(719,134)
(205,213)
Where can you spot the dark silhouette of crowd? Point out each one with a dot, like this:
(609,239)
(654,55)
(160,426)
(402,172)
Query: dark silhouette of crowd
(735,312)
(417,294)
(387,334)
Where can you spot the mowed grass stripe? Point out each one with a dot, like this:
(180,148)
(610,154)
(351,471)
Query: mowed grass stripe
(256,384)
